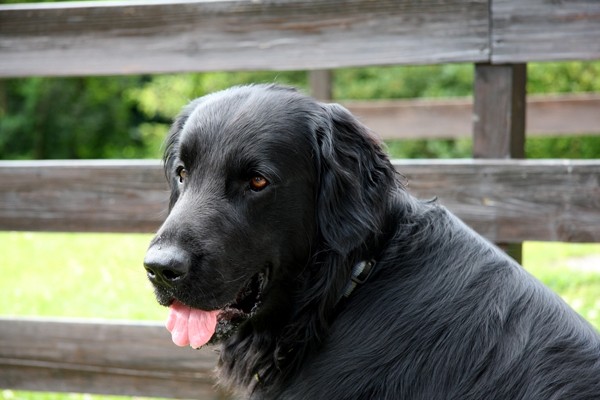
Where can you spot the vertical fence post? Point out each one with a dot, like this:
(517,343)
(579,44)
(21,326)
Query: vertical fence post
(320,84)
(499,118)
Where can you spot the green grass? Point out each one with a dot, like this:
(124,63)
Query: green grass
(571,270)
(22,395)
(101,276)
(76,275)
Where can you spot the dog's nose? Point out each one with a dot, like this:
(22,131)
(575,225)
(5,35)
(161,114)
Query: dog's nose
(166,265)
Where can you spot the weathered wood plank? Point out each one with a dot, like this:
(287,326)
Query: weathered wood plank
(119,358)
(415,118)
(321,84)
(565,114)
(499,111)
(103,196)
(542,30)
(515,200)
(505,200)
(164,36)
(499,119)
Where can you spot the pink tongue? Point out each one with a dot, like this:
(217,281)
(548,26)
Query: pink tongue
(190,326)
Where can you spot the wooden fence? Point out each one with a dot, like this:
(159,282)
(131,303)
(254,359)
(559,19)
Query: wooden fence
(506,199)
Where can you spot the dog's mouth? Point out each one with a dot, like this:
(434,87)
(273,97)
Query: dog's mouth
(195,327)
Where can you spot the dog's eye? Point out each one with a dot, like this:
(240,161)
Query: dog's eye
(181,174)
(258,183)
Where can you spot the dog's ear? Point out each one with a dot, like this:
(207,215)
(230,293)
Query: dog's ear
(356,177)
(171,154)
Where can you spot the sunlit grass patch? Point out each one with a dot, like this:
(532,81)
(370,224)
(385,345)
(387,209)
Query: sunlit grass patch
(24,395)
(76,275)
(571,270)
(101,276)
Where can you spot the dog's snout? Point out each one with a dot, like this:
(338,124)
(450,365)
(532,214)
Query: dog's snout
(166,265)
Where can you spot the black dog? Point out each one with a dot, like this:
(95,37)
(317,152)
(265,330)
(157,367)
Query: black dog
(292,243)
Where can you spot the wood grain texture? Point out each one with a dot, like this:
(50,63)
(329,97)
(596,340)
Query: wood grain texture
(163,36)
(543,30)
(119,358)
(158,36)
(102,196)
(512,201)
(321,84)
(499,111)
(505,200)
(499,120)
(560,114)
(565,114)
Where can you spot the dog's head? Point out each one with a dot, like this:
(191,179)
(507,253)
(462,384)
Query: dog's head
(263,179)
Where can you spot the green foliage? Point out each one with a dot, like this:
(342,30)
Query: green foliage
(576,147)
(457,80)
(128,117)
(160,99)
(563,77)
(585,147)
(421,148)
(69,118)
(452,80)
(403,82)
(164,95)
(104,117)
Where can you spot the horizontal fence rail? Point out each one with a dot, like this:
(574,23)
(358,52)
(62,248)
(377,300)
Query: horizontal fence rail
(512,201)
(566,114)
(164,36)
(544,30)
(119,358)
(123,37)
(102,196)
(505,200)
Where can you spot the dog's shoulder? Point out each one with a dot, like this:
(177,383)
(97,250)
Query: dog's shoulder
(452,317)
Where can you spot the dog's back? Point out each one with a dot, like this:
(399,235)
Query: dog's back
(446,315)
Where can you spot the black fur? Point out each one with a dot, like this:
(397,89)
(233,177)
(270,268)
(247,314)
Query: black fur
(444,314)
